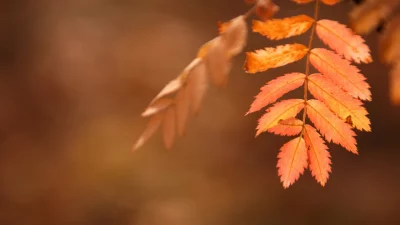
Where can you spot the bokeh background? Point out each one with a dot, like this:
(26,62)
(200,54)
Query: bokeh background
(75,76)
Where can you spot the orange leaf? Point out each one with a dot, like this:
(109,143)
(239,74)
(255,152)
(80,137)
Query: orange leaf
(292,161)
(394,78)
(367,16)
(342,104)
(302,1)
(277,29)
(275,89)
(341,39)
(182,109)
(157,106)
(197,84)
(330,2)
(264,59)
(280,111)
(151,128)
(341,72)
(288,127)
(318,155)
(333,128)
(169,128)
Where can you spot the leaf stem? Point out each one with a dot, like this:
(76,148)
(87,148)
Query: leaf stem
(316,14)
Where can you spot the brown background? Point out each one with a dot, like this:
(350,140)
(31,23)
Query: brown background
(75,77)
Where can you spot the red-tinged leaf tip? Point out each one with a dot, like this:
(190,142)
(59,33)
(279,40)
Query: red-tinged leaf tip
(292,160)
(318,155)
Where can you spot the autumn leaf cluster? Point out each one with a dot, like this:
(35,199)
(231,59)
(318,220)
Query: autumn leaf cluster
(338,90)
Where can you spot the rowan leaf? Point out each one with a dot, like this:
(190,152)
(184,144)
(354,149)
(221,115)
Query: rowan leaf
(264,59)
(275,89)
(394,78)
(182,103)
(218,62)
(287,127)
(276,29)
(151,128)
(331,2)
(169,128)
(342,104)
(157,106)
(318,155)
(341,39)
(197,85)
(292,160)
(367,16)
(302,1)
(341,72)
(333,128)
(280,111)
